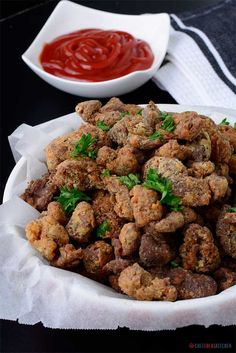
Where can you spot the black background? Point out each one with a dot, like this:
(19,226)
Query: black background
(26,98)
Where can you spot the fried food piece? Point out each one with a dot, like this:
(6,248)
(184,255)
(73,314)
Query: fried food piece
(130,238)
(39,193)
(225,278)
(114,104)
(173,149)
(229,133)
(121,162)
(146,206)
(105,155)
(221,149)
(140,284)
(81,223)
(88,109)
(165,166)
(201,169)
(103,205)
(46,235)
(192,191)
(96,256)
(156,252)
(171,222)
(82,173)
(199,252)
(55,210)
(200,147)
(226,231)
(69,257)
(119,133)
(191,285)
(123,206)
(150,115)
(117,265)
(61,148)
(188,125)
(218,186)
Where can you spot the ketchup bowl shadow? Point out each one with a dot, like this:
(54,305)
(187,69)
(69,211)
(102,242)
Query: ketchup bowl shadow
(68,17)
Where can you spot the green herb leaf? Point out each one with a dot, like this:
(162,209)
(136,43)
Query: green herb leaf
(164,186)
(68,198)
(168,123)
(106,173)
(103,228)
(235,126)
(81,147)
(139,112)
(103,126)
(232,209)
(174,264)
(130,180)
(157,134)
(224,122)
(122,114)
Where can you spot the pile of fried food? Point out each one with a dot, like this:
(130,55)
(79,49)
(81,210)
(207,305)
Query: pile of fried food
(141,200)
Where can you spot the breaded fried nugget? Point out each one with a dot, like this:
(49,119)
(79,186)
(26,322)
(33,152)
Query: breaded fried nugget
(46,235)
(129,237)
(62,147)
(81,223)
(146,206)
(69,257)
(173,149)
(192,191)
(225,278)
(88,109)
(39,192)
(199,252)
(165,166)
(158,251)
(82,173)
(226,231)
(96,256)
(171,222)
(188,125)
(201,169)
(103,205)
(120,192)
(55,210)
(218,186)
(140,284)
(191,285)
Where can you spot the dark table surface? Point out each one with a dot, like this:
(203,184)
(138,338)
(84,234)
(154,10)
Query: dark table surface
(25,98)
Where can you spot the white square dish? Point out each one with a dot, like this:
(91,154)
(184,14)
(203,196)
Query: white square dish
(68,17)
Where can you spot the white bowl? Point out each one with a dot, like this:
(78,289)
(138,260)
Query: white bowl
(68,17)
(100,304)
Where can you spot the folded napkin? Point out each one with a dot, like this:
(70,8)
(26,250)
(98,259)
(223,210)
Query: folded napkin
(200,66)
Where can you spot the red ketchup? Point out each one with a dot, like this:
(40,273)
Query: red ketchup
(95,55)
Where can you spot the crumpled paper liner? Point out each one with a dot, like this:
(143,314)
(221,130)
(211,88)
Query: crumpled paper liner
(32,291)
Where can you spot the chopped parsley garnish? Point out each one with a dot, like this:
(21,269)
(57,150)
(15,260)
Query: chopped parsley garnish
(164,186)
(103,126)
(174,264)
(83,146)
(232,209)
(157,135)
(68,198)
(106,173)
(130,180)
(224,122)
(139,112)
(235,126)
(103,228)
(168,122)
(122,114)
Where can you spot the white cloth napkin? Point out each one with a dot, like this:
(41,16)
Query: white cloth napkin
(200,62)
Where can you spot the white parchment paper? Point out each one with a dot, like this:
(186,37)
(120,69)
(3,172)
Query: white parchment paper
(32,291)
